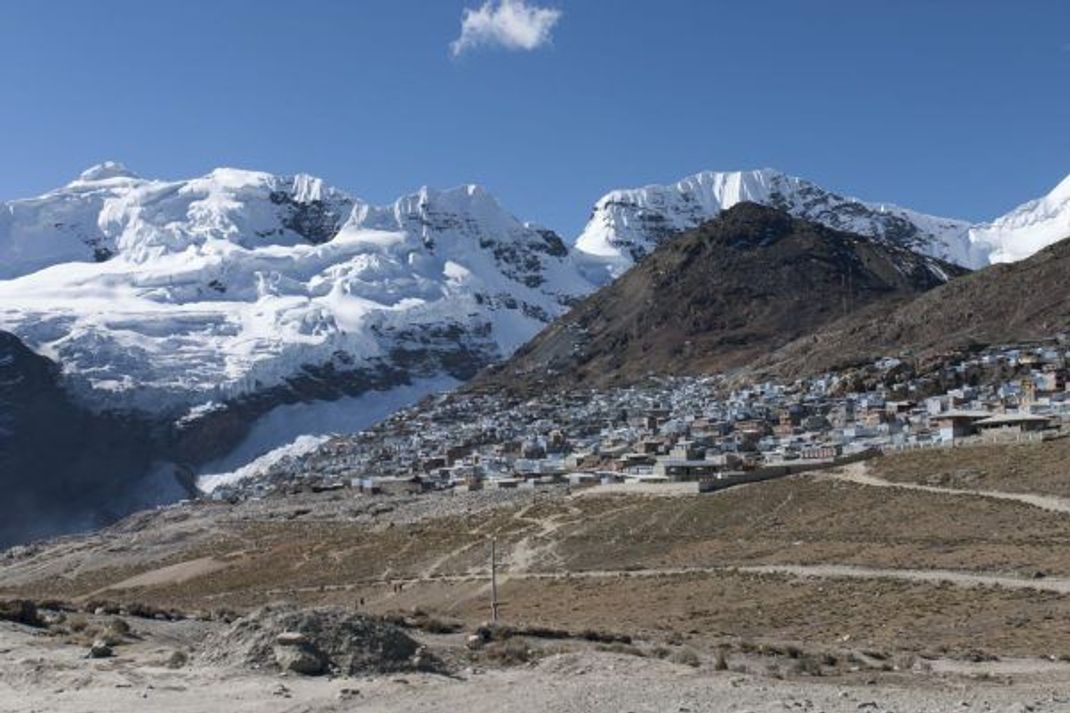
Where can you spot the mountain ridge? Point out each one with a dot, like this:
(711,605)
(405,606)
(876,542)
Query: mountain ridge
(249,277)
(627,224)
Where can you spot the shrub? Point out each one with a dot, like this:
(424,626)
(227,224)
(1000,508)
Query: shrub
(511,652)
(685,656)
(601,637)
(808,665)
(20,611)
(619,648)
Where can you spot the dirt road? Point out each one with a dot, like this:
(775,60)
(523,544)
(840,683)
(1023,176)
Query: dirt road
(858,473)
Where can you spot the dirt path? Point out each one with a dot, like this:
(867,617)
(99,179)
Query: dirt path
(172,574)
(1057,585)
(858,473)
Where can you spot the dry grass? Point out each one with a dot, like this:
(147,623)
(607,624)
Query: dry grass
(801,520)
(1026,468)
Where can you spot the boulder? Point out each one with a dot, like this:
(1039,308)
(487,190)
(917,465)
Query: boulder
(20,611)
(305,660)
(100,650)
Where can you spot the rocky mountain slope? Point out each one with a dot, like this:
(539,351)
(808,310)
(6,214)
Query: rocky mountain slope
(1023,301)
(625,225)
(718,296)
(67,468)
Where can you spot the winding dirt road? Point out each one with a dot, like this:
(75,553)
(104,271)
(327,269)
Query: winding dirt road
(857,473)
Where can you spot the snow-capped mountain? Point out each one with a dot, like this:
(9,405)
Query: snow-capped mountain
(1026,229)
(626,225)
(157,295)
(244,309)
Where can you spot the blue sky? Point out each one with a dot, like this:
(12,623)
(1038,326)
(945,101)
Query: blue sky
(956,108)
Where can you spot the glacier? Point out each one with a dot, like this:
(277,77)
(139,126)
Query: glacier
(1026,229)
(162,296)
(292,429)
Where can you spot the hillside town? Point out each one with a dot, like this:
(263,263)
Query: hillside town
(695,433)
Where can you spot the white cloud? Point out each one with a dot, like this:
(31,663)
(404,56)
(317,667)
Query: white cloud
(512,24)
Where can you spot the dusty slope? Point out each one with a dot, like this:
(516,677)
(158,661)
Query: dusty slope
(41,675)
(900,599)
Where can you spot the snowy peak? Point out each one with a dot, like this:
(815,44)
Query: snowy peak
(1026,229)
(460,221)
(105,171)
(461,211)
(110,212)
(250,209)
(626,225)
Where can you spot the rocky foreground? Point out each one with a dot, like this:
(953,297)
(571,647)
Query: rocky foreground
(138,664)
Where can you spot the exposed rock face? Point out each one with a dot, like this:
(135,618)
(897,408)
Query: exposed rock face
(316,220)
(65,468)
(717,297)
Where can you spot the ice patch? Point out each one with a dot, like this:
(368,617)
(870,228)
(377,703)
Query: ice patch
(299,446)
(286,425)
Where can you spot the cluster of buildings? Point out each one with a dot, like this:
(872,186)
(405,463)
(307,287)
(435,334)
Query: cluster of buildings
(690,429)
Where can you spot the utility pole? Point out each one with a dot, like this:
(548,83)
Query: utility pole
(493,581)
